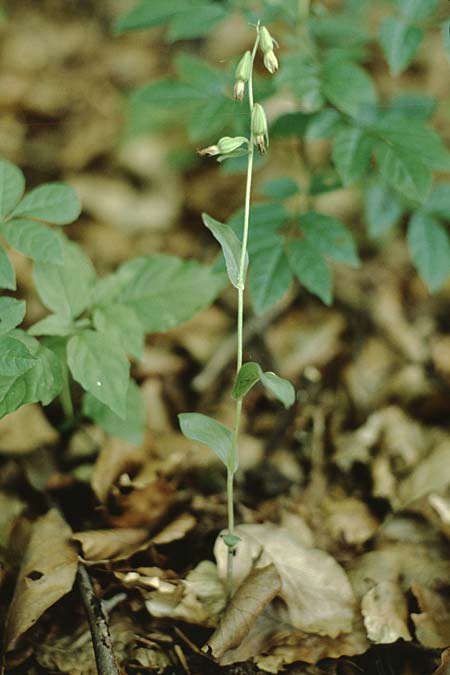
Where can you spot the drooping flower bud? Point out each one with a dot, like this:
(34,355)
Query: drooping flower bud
(266,40)
(259,128)
(271,61)
(243,72)
(210,151)
(224,146)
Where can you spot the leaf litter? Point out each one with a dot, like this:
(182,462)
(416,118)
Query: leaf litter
(343,575)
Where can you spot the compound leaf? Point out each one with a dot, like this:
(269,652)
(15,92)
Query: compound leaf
(352,149)
(310,268)
(399,41)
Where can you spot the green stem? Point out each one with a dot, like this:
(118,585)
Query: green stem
(240,330)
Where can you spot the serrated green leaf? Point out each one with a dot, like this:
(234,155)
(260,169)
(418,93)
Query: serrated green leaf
(186,25)
(12,393)
(123,325)
(429,246)
(279,188)
(249,374)
(52,325)
(415,10)
(406,135)
(131,428)
(44,381)
(65,289)
(7,275)
(100,365)
(352,149)
(12,186)
(282,389)
(206,430)
(54,203)
(347,86)
(310,268)
(15,358)
(399,41)
(270,274)
(329,237)
(11,313)
(438,202)
(382,208)
(148,14)
(231,248)
(33,239)
(165,291)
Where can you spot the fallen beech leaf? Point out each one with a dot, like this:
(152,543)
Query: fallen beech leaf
(433,623)
(115,458)
(144,507)
(385,613)
(47,573)
(117,544)
(314,586)
(25,430)
(444,668)
(428,475)
(258,589)
(175,530)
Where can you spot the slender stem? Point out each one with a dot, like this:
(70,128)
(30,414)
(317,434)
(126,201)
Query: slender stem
(240,327)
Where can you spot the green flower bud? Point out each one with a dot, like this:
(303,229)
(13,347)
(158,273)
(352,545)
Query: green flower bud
(229,144)
(271,61)
(266,40)
(244,67)
(259,128)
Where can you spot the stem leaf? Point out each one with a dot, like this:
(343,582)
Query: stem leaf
(206,430)
(251,372)
(231,247)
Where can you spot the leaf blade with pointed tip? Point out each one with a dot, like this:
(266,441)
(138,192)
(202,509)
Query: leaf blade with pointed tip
(231,248)
(282,389)
(54,203)
(11,313)
(33,239)
(310,268)
(249,374)
(15,358)
(12,186)
(429,246)
(206,430)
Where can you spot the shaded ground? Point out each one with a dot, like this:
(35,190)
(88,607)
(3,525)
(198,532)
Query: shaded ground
(358,470)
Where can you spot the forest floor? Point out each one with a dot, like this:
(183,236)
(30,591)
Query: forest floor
(348,492)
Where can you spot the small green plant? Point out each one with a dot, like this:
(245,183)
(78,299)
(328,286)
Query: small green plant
(196,426)
(95,324)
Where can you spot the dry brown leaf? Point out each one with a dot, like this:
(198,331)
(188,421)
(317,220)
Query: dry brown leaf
(144,507)
(115,458)
(252,596)
(428,476)
(351,520)
(118,544)
(25,430)
(433,623)
(444,668)
(175,530)
(366,376)
(314,587)
(385,613)
(47,573)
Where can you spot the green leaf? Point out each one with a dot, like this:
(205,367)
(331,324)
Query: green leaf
(415,10)
(12,186)
(329,237)
(206,430)
(44,381)
(352,150)
(165,291)
(290,124)
(34,240)
(249,374)
(65,289)
(438,203)
(100,365)
(52,325)
(310,268)
(149,13)
(302,75)
(429,246)
(54,203)
(270,274)
(409,135)
(12,393)
(279,188)
(347,86)
(11,313)
(404,170)
(199,73)
(282,389)
(123,325)
(399,42)
(167,93)
(131,428)
(15,358)
(324,124)
(7,276)
(231,248)
(186,25)
(382,208)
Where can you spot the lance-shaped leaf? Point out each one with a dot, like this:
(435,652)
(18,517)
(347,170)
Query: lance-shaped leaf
(12,186)
(251,372)
(231,247)
(11,313)
(206,430)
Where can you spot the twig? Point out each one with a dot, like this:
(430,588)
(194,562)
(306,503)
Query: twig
(101,638)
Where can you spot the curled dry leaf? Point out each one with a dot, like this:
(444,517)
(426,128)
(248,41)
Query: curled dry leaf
(47,573)
(108,545)
(314,586)
(144,507)
(428,476)
(175,530)
(385,613)
(115,458)
(252,596)
(25,430)
(444,668)
(433,622)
